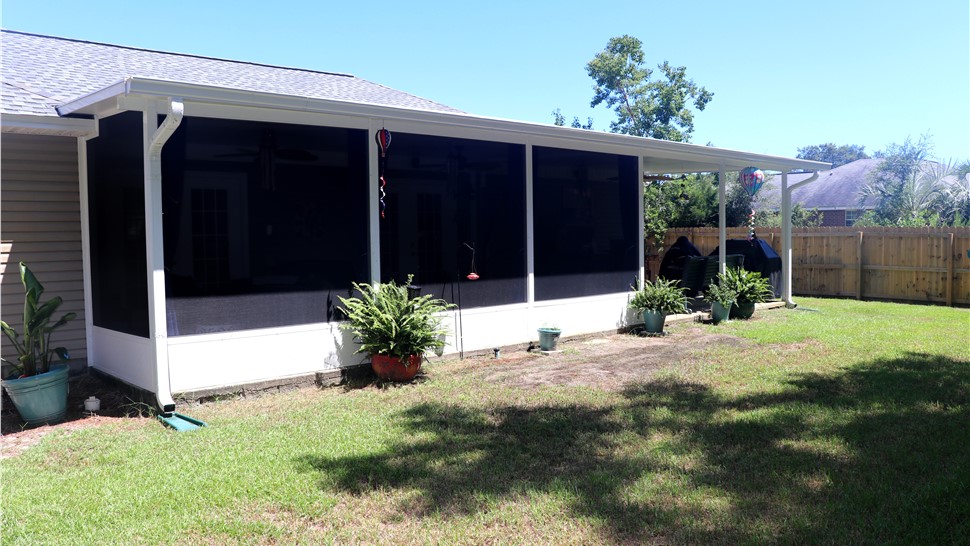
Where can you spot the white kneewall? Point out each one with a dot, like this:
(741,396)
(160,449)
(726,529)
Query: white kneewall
(209,361)
(124,356)
(235,358)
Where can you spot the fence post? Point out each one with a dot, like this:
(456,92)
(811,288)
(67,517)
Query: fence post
(858,253)
(949,272)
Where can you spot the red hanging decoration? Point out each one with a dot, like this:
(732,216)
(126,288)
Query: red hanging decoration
(383,138)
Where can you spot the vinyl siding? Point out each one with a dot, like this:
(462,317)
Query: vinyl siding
(40,223)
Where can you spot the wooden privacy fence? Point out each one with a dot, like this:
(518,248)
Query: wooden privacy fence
(907,264)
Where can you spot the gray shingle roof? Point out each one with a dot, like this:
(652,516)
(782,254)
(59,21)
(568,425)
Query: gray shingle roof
(40,72)
(837,188)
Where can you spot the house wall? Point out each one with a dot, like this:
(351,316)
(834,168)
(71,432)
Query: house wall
(833,218)
(40,223)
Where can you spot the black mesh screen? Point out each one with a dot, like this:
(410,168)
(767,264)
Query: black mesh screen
(265,224)
(585,223)
(445,198)
(116,207)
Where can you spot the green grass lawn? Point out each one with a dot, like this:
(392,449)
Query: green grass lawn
(845,424)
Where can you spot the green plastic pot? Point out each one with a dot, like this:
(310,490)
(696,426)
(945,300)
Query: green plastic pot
(548,338)
(719,312)
(653,321)
(742,311)
(40,398)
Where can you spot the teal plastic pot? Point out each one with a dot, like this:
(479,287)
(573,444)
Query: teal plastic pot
(40,398)
(720,313)
(653,321)
(548,338)
(742,311)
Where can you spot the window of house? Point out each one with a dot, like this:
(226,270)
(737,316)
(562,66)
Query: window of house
(851,216)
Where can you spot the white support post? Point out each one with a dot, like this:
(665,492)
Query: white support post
(530,258)
(722,218)
(786,254)
(82,171)
(374,203)
(786,237)
(640,231)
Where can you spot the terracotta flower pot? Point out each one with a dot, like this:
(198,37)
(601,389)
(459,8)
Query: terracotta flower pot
(390,368)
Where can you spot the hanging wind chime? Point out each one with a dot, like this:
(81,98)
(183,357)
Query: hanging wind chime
(383,138)
(751,179)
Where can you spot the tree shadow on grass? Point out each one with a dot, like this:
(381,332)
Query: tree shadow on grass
(876,454)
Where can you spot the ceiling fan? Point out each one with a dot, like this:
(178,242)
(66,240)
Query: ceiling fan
(268,154)
(457,159)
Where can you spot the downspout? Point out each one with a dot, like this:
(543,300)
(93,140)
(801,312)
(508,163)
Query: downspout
(159,329)
(786,265)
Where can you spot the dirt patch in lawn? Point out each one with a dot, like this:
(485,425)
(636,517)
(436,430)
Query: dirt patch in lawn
(607,361)
(116,405)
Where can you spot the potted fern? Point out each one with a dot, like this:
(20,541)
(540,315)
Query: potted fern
(37,388)
(394,328)
(656,300)
(721,297)
(750,287)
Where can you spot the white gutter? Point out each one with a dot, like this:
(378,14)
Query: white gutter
(786,256)
(155,250)
(47,125)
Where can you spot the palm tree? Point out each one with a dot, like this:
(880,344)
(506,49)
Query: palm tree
(911,190)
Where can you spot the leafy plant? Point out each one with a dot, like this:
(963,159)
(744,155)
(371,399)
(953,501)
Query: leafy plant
(749,286)
(720,293)
(387,322)
(34,348)
(661,295)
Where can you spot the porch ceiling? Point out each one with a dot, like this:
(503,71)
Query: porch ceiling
(659,156)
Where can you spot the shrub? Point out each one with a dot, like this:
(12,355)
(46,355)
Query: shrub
(387,322)
(749,286)
(661,295)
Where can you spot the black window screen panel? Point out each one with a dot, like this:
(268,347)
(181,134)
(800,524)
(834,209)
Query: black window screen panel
(116,209)
(585,223)
(445,198)
(265,224)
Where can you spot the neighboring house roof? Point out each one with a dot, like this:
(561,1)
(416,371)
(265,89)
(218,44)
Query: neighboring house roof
(837,188)
(40,72)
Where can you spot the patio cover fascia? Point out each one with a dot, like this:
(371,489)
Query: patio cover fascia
(659,156)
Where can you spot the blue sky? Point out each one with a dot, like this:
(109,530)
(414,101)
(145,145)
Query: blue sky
(784,74)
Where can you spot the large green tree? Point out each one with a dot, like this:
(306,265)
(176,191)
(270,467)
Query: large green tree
(833,153)
(658,108)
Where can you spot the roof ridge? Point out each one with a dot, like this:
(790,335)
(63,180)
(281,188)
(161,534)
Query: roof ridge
(191,55)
